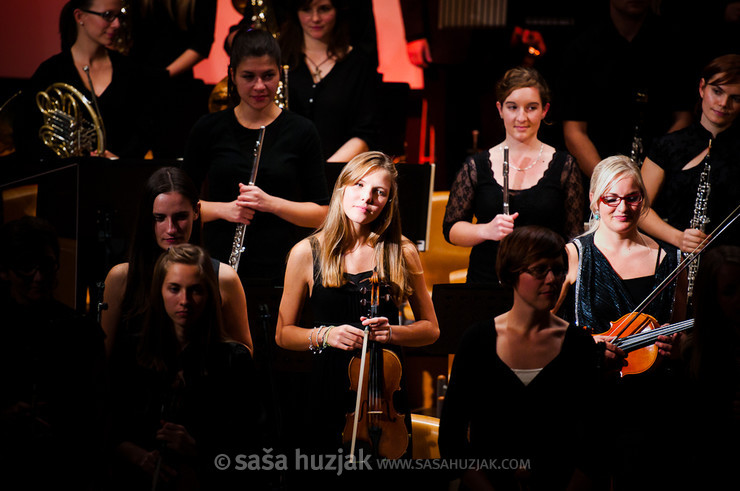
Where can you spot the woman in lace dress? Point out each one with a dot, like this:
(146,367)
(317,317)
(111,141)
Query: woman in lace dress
(545,186)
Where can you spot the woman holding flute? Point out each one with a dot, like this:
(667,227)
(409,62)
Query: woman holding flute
(290,190)
(543,185)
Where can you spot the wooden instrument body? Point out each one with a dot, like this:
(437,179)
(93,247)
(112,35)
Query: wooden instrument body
(380,426)
(639,360)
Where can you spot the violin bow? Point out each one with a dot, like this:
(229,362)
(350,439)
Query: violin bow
(729,219)
(374,301)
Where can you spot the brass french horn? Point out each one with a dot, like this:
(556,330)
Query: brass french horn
(71,126)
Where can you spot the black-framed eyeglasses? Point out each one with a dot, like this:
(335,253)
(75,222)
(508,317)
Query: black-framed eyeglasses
(613,200)
(539,272)
(108,15)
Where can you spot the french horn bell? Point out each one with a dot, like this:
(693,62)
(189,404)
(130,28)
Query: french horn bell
(71,127)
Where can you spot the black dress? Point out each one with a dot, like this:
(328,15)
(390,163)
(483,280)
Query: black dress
(333,398)
(489,413)
(210,392)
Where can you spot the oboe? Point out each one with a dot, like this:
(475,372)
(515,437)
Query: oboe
(506,180)
(237,246)
(700,219)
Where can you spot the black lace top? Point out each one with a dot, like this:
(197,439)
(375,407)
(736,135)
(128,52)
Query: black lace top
(555,202)
(677,197)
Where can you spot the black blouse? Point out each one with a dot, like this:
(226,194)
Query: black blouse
(125,105)
(341,105)
(219,155)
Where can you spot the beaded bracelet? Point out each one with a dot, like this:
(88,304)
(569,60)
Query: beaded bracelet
(311,346)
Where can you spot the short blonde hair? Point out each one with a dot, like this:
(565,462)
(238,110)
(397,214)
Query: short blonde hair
(608,172)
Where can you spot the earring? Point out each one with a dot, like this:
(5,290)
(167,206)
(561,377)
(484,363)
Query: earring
(597,216)
(82,23)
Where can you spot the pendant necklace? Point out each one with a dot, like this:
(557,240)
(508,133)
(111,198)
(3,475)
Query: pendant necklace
(520,169)
(317,70)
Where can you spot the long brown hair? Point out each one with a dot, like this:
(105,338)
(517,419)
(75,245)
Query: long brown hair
(158,346)
(385,231)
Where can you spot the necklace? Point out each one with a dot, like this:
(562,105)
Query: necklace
(316,66)
(520,169)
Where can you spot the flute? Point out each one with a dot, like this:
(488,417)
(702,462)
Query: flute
(506,180)
(237,246)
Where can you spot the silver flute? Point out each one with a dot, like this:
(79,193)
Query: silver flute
(237,246)
(506,180)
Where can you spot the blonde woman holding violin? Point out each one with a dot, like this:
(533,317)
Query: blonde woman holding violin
(611,270)
(329,273)
(613,267)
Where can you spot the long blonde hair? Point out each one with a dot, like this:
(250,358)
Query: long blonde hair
(385,231)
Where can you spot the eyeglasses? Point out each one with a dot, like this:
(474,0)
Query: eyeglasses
(540,272)
(108,15)
(612,200)
(30,267)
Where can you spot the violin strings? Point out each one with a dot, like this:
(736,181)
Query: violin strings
(688,259)
(645,338)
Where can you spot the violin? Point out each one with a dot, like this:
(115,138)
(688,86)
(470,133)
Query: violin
(375,376)
(641,330)
(636,333)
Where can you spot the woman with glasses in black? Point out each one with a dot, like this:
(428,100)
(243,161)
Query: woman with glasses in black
(90,32)
(523,385)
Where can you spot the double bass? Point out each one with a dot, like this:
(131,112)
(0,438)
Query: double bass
(375,376)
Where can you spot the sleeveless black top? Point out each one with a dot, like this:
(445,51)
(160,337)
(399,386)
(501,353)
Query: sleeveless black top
(601,296)
(333,398)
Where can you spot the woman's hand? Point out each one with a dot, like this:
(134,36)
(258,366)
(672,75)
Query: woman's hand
(345,337)
(237,213)
(691,239)
(499,227)
(176,438)
(666,344)
(614,357)
(106,154)
(254,198)
(380,329)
